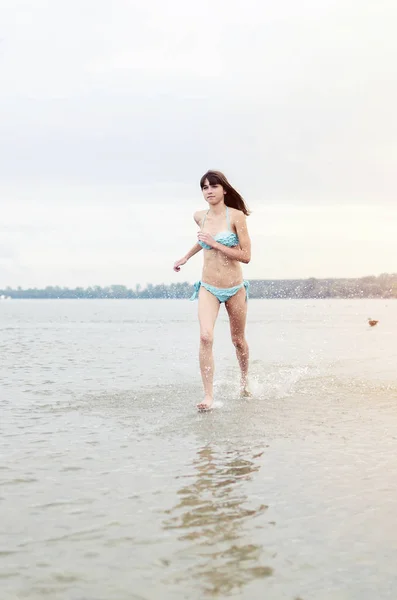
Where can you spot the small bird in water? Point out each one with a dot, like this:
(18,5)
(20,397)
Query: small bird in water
(372,322)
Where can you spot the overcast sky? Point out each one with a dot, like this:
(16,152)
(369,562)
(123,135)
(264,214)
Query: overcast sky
(110,112)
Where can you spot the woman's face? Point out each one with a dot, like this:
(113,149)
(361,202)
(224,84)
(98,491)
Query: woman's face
(213,193)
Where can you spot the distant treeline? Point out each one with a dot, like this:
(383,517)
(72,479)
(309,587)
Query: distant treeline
(382,286)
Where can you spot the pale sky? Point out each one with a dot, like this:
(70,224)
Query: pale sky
(110,112)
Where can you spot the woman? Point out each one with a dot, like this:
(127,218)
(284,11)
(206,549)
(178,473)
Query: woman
(224,237)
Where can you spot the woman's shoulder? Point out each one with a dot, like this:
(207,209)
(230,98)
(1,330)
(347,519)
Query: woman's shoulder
(236,214)
(198,216)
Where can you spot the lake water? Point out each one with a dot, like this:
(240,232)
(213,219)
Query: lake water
(113,487)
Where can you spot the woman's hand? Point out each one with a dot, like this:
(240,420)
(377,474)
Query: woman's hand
(206,238)
(179,263)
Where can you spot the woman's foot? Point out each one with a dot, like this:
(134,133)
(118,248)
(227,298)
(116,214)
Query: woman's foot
(206,404)
(245,392)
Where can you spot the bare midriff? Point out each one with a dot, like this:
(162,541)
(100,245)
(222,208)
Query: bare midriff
(221,271)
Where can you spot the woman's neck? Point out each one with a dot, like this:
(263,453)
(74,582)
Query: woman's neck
(217,210)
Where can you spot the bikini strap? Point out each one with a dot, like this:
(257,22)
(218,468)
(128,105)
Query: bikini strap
(227,218)
(205,216)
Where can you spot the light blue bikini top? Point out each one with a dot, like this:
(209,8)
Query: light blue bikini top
(227,238)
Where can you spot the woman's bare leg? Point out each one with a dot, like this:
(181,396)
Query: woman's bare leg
(237,311)
(208,309)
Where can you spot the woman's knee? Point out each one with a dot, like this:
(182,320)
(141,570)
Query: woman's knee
(239,342)
(206,337)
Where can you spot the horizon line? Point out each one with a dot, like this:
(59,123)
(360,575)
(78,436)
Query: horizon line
(192,283)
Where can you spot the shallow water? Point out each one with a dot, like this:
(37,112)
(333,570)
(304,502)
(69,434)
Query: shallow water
(112,487)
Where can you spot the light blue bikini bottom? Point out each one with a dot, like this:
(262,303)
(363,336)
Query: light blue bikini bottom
(221,294)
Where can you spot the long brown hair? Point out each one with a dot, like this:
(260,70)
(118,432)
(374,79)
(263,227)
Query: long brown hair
(232,197)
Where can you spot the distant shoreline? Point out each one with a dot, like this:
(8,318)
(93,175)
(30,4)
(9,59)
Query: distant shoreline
(381,286)
(186,299)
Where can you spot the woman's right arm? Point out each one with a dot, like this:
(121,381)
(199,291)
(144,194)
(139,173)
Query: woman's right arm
(196,248)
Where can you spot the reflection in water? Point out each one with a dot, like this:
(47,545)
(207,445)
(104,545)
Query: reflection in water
(213,520)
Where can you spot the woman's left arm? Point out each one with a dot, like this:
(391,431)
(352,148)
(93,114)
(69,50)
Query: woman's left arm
(242,252)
